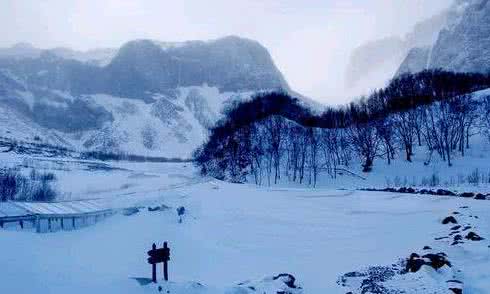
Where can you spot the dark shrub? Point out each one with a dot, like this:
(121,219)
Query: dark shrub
(36,187)
(8,184)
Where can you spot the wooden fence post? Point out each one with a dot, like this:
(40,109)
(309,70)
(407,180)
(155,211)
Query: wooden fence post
(154,267)
(165,262)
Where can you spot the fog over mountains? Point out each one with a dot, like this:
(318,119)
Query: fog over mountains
(457,39)
(148,97)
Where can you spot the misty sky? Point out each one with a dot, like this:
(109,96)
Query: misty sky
(310,40)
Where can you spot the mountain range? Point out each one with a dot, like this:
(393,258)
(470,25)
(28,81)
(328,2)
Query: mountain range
(147,97)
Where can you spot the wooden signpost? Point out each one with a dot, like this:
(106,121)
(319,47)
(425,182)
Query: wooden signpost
(158,256)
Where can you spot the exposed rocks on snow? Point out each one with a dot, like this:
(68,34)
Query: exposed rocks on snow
(430,272)
(436,261)
(279,284)
(449,219)
(443,192)
(371,280)
(455,286)
(438,192)
(474,237)
(405,276)
(480,196)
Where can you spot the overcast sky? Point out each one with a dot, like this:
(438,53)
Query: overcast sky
(310,40)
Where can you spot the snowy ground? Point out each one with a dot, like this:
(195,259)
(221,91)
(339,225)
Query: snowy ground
(233,233)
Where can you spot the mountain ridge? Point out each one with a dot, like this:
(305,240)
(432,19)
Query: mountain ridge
(151,98)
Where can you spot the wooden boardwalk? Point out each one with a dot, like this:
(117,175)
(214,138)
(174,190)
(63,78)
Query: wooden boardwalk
(46,217)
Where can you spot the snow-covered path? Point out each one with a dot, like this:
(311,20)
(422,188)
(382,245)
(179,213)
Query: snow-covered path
(231,233)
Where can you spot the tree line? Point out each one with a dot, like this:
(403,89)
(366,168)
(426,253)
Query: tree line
(274,135)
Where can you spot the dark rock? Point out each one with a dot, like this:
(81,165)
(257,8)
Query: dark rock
(456,212)
(402,190)
(455,286)
(467,195)
(436,261)
(411,190)
(288,279)
(423,192)
(458,238)
(449,219)
(480,196)
(456,243)
(466,228)
(354,274)
(427,248)
(456,228)
(414,263)
(442,192)
(441,238)
(474,237)
(464,207)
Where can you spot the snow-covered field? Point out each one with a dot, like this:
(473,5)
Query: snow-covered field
(232,233)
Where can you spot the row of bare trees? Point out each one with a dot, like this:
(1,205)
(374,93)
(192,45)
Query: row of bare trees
(273,138)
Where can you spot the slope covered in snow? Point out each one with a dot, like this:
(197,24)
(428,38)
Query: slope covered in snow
(147,98)
(172,126)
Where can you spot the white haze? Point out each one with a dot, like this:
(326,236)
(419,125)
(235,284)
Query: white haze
(310,40)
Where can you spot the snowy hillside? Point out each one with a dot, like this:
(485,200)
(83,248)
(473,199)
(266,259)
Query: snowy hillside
(148,97)
(172,126)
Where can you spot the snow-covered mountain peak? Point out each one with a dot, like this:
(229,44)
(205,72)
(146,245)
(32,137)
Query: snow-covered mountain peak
(148,97)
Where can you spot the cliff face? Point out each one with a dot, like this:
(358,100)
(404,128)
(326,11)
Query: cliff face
(457,39)
(463,45)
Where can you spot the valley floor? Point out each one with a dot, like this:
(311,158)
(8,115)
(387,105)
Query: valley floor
(234,232)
